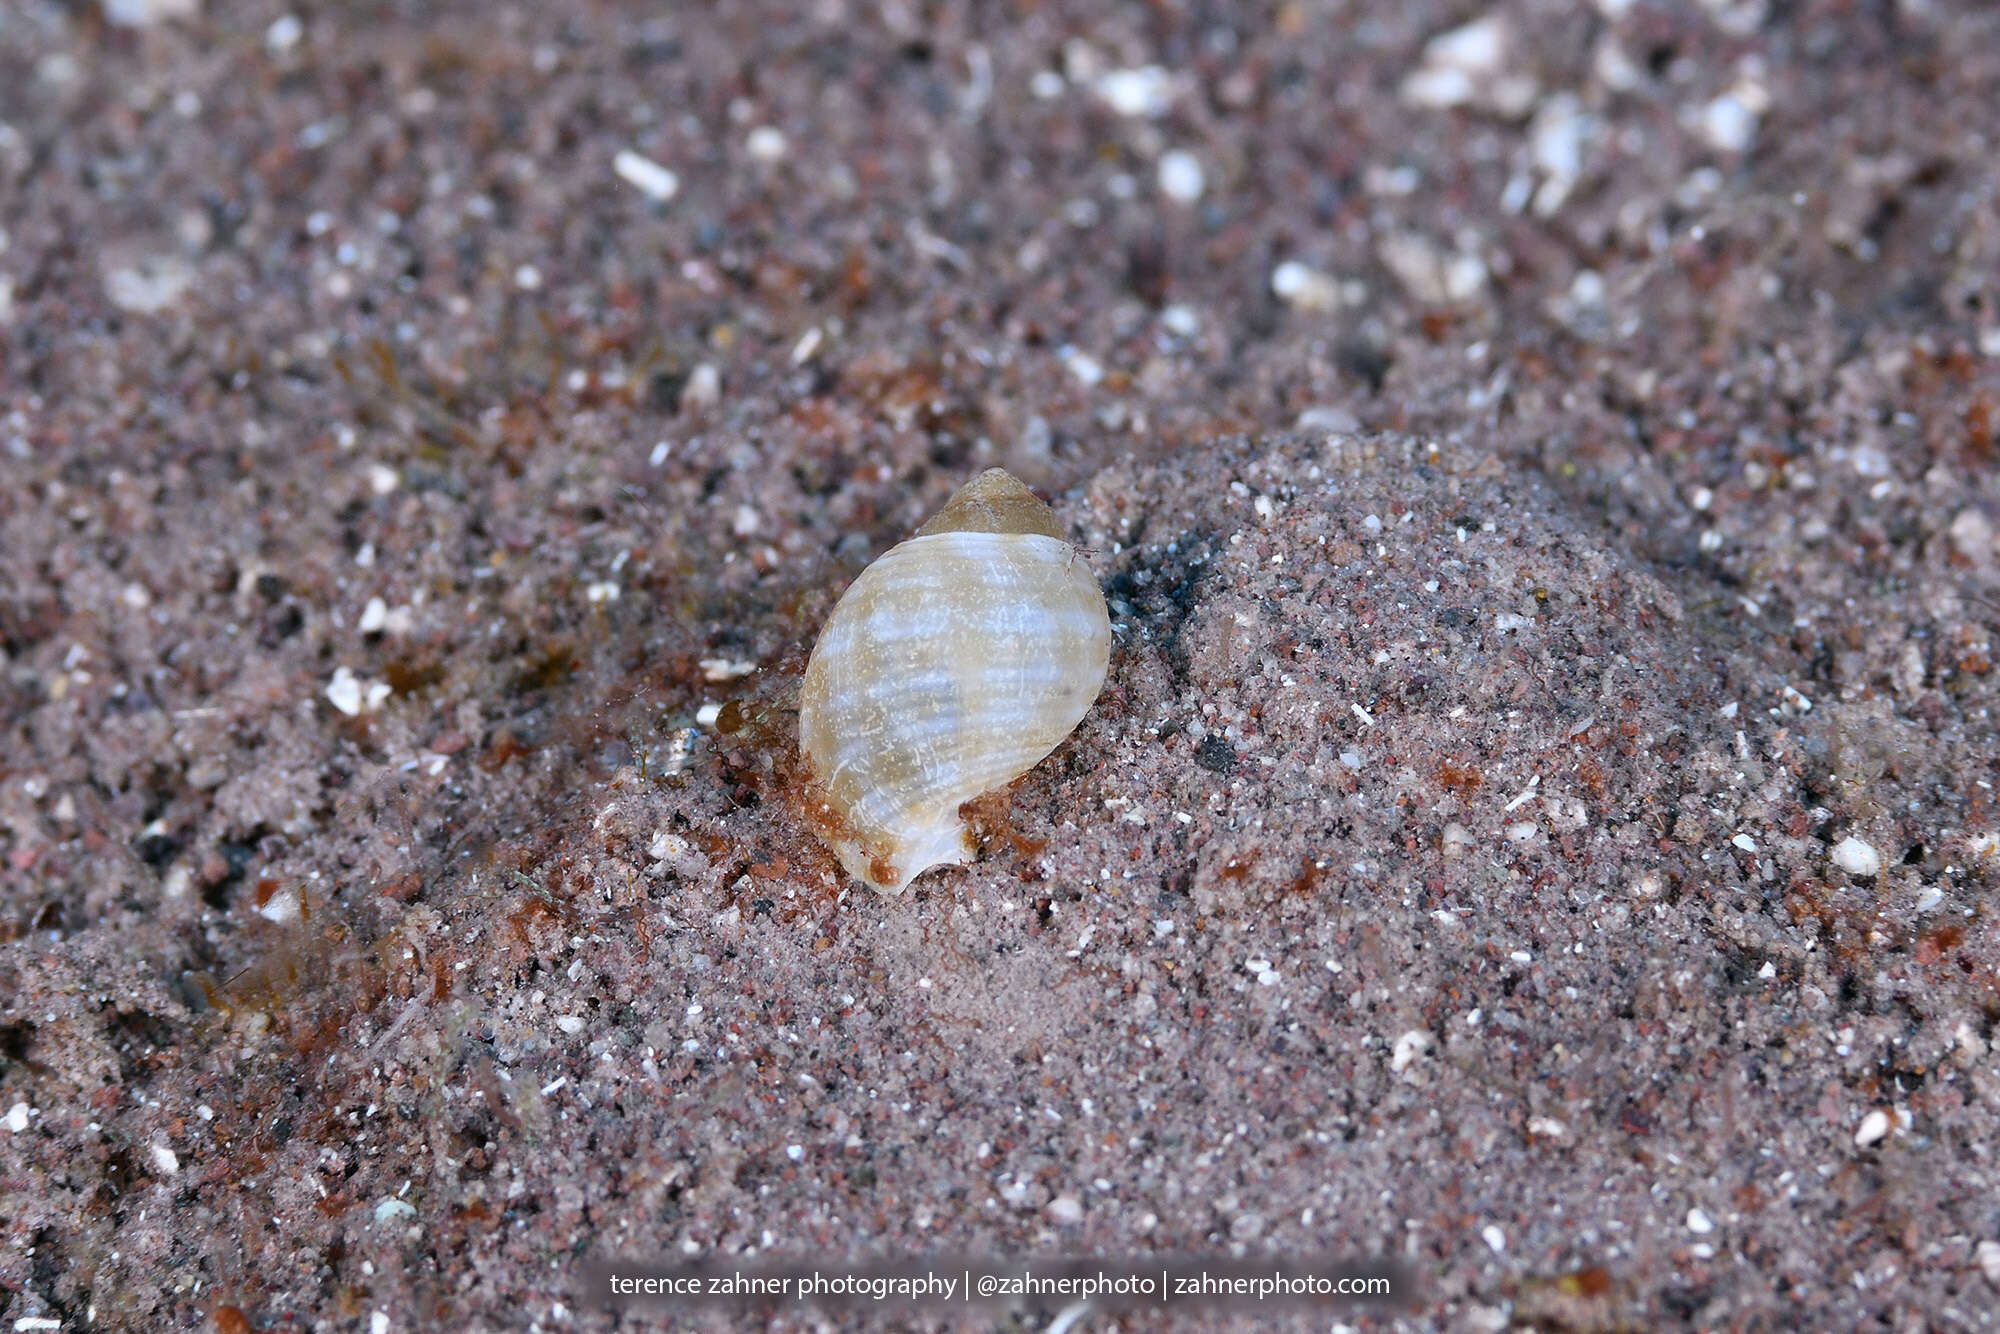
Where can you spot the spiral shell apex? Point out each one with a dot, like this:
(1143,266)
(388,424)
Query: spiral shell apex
(949,668)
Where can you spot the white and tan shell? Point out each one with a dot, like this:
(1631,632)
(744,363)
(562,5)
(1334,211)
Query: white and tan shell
(948,669)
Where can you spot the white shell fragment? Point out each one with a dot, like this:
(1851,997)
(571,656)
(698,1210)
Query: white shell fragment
(656,182)
(1857,857)
(948,669)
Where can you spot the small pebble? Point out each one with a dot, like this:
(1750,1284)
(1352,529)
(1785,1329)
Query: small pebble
(1181,177)
(1430,273)
(1180,321)
(145,13)
(1147,91)
(1857,858)
(1306,288)
(1728,123)
(148,285)
(1874,1126)
(1468,66)
(704,388)
(645,175)
(808,345)
(1338,421)
(283,34)
(353,696)
(1973,534)
(1086,369)
(1989,1261)
(1557,137)
(282,907)
(390,1211)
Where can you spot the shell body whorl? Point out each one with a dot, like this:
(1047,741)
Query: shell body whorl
(949,668)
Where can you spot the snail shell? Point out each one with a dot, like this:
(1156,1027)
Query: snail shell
(949,668)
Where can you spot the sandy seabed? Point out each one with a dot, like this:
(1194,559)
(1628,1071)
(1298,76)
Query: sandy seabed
(1538,832)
